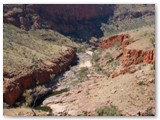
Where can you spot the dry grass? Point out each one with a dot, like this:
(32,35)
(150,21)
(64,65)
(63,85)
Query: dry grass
(22,48)
(141,38)
(126,22)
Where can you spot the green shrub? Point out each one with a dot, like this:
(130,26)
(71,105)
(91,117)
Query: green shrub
(97,67)
(140,59)
(52,76)
(28,94)
(150,112)
(95,57)
(57,92)
(28,98)
(152,40)
(82,73)
(108,111)
(83,48)
(116,43)
(109,57)
(83,114)
(5,105)
(48,37)
(44,108)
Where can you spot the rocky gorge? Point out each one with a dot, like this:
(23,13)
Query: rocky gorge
(66,19)
(79,60)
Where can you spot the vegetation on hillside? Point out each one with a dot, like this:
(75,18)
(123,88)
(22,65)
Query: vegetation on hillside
(121,20)
(22,49)
(108,111)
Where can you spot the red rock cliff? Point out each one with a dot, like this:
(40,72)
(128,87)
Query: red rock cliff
(123,40)
(14,87)
(138,56)
(130,56)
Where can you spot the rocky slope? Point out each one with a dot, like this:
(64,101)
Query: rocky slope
(131,88)
(128,17)
(120,72)
(14,87)
(134,49)
(123,91)
(133,93)
(25,65)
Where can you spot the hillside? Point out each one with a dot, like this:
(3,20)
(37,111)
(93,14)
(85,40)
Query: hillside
(79,60)
(31,53)
(130,88)
(128,17)
(71,20)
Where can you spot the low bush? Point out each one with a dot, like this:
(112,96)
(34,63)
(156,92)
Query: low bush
(150,112)
(5,105)
(28,94)
(82,73)
(95,57)
(152,40)
(140,59)
(83,48)
(108,111)
(44,108)
(116,43)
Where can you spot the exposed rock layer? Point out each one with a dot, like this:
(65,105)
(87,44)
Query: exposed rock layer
(14,87)
(130,56)
(105,44)
(137,56)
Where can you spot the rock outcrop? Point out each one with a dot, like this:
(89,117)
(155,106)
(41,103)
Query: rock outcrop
(138,56)
(122,39)
(14,86)
(130,56)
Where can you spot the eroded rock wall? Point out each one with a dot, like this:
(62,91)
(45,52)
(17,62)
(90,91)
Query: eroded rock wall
(105,44)
(130,56)
(14,87)
(138,56)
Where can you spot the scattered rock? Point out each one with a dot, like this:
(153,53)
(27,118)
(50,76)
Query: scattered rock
(113,91)
(58,110)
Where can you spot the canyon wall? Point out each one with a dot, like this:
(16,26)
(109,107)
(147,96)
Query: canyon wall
(77,20)
(70,19)
(15,86)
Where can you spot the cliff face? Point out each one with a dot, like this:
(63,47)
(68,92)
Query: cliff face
(78,20)
(14,87)
(122,39)
(137,56)
(130,56)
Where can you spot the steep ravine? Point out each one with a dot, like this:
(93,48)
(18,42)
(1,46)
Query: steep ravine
(67,79)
